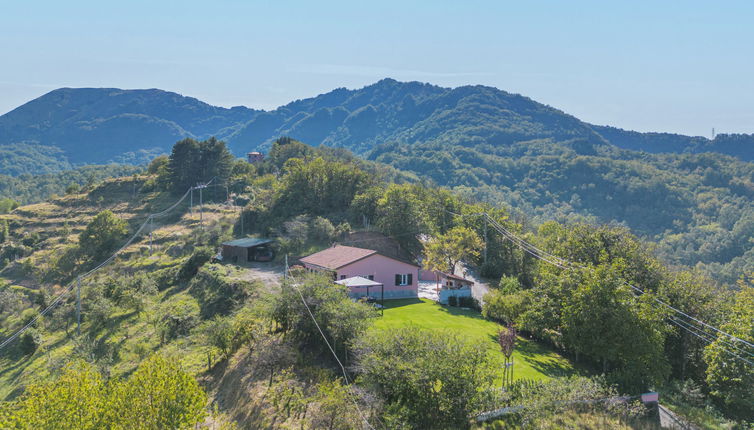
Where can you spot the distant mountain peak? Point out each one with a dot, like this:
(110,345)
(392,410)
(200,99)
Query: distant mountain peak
(95,125)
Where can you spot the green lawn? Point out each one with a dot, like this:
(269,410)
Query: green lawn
(531,359)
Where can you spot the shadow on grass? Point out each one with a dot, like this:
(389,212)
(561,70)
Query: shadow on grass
(544,359)
(397,303)
(462,312)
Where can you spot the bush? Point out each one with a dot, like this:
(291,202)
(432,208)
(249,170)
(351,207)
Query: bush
(191,266)
(439,383)
(217,293)
(503,307)
(468,302)
(30,341)
(179,317)
(321,230)
(102,234)
(167,277)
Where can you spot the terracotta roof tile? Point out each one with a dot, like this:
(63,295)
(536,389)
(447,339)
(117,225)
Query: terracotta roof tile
(337,256)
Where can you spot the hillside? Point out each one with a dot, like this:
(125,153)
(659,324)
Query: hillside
(96,125)
(481,141)
(697,208)
(244,344)
(99,125)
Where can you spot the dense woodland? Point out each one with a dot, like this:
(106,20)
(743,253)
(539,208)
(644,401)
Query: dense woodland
(27,188)
(695,207)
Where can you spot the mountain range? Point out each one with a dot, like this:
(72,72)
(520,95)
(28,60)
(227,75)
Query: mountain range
(74,126)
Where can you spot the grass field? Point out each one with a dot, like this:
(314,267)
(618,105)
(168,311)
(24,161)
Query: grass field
(531,359)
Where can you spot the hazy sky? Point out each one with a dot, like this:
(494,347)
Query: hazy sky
(678,66)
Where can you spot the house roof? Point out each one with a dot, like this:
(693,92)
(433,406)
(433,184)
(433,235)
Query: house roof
(337,256)
(248,242)
(456,277)
(358,281)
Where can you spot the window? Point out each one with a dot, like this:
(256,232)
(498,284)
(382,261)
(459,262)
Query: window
(342,277)
(370,277)
(404,279)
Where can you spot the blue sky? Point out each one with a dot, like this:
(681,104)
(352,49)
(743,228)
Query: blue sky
(677,66)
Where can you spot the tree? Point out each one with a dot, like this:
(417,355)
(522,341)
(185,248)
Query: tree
(102,234)
(341,319)
(506,338)
(159,395)
(730,379)
(285,148)
(429,379)
(317,187)
(399,216)
(75,400)
(603,320)
(193,161)
(445,251)
(7,205)
(334,407)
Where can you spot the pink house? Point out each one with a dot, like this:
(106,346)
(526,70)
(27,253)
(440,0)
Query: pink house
(399,278)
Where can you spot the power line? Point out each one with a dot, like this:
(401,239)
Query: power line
(294,283)
(70,286)
(565,264)
(734,338)
(709,340)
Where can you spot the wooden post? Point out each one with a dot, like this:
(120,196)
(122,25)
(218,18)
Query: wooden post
(78,306)
(382,299)
(151,227)
(201,209)
(485,238)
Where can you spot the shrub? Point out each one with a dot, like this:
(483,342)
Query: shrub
(503,307)
(453,301)
(468,302)
(321,230)
(30,341)
(440,381)
(217,293)
(179,317)
(191,266)
(167,277)
(102,234)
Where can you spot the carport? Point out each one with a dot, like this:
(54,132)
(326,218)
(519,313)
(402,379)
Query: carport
(248,249)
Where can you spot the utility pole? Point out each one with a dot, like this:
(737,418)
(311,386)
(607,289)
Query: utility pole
(200,187)
(78,306)
(485,238)
(151,227)
(242,234)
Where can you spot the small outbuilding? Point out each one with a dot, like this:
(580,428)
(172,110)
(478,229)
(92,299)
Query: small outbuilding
(254,157)
(248,249)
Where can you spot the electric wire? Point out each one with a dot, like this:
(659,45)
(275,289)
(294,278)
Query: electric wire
(565,264)
(70,286)
(352,396)
(708,340)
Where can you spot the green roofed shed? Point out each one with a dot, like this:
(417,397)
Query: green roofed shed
(248,249)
